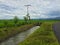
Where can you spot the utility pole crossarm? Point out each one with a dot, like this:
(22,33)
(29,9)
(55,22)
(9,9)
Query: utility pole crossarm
(27,8)
(28,17)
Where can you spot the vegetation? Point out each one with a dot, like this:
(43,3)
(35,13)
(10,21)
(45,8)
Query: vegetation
(9,28)
(16,20)
(6,23)
(7,33)
(42,36)
(27,18)
(11,23)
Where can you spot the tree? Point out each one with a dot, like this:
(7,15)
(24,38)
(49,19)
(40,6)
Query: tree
(16,20)
(6,23)
(27,18)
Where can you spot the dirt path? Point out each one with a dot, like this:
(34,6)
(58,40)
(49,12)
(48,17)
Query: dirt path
(56,28)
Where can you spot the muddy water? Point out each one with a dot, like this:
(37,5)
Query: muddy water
(56,29)
(19,37)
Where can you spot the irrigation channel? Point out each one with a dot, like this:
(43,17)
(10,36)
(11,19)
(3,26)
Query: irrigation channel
(19,37)
(56,28)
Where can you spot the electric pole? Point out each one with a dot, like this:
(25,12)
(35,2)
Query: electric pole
(28,11)
(27,8)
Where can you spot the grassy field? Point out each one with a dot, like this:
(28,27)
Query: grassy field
(43,36)
(10,23)
(8,28)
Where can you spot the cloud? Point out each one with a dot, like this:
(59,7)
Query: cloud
(38,8)
(6,7)
(54,13)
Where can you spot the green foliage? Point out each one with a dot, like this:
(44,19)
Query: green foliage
(8,32)
(26,20)
(11,23)
(16,20)
(12,29)
(42,36)
(6,23)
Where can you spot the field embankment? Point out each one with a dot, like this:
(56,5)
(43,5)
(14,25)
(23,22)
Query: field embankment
(42,36)
(6,33)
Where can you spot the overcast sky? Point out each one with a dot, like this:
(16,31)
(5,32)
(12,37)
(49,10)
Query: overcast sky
(38,8)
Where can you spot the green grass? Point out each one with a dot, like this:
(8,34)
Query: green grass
(11,29)
(6,33)
(42,36)
(10,23)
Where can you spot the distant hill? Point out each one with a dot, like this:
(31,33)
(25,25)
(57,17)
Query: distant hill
(56,18)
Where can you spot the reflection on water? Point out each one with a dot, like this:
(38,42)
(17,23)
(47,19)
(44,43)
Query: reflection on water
(19,37)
